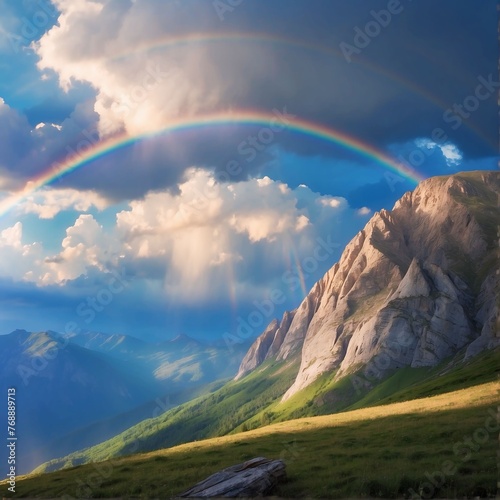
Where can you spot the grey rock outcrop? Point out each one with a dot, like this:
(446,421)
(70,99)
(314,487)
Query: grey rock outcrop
(253,478)
(267,345)
(258,350)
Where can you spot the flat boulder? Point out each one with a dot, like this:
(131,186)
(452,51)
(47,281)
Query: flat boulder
(256,477)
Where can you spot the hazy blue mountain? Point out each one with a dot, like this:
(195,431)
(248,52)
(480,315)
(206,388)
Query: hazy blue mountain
(61,386)
(120,346)
(98,382)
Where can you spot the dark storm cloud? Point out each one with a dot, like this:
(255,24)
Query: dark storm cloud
(427,60)
(438,48)
(405,84)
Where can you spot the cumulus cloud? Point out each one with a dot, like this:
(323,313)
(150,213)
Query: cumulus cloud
(29,150)
(202,202)
(136,91)
(18,260)
(11,237)
(108,44)
(363,211)
(209,225)
(86,245)
(330,201)
(189,242)
(47,203)
(451,153)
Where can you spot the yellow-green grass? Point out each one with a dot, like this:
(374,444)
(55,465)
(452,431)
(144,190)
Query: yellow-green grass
(378,451)
(326,395)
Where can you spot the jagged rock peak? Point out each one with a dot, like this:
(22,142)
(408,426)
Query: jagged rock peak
(419,281)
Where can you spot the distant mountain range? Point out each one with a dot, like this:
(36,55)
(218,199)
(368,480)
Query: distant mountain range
(411,309)
(101,383)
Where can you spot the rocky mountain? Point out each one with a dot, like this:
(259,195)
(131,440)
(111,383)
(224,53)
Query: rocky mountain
(267,345)
(416,285)
(117,345)
(61,386)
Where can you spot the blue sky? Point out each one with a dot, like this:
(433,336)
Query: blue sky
(151,240)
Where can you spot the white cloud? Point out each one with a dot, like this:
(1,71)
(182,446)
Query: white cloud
(452,154)
(192,242)
(27,151)
(42,124)
(424,142)
(47,203)
(330,201)
(88,45)
(363,211)
(18,260)
(258,208)
(140,91)
(86,245)
(208,225)
(11,236)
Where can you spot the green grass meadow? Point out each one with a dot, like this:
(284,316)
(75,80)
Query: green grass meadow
(389,451)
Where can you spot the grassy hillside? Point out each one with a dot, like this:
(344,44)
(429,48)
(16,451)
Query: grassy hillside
(102,430)
(255,401)
(211,415)
(447,377)
(383,451)
(325,395)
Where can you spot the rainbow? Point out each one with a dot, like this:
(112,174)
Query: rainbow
(241,117)
(191,39)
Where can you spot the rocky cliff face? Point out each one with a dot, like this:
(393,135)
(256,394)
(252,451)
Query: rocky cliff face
(267,345)
(416,285)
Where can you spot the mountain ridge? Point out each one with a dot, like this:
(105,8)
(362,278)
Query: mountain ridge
(406,281)
(91,380)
